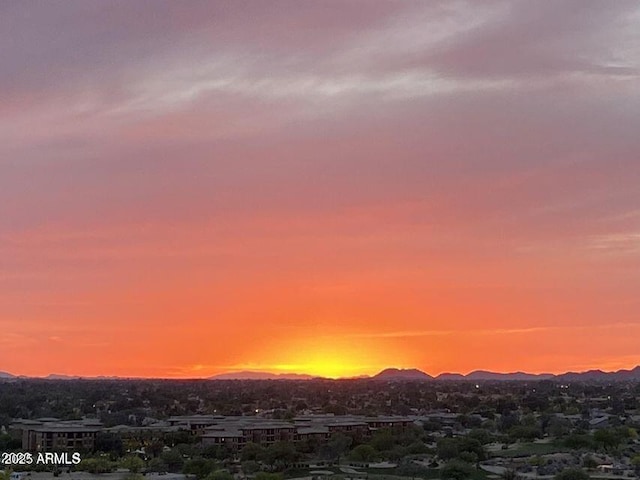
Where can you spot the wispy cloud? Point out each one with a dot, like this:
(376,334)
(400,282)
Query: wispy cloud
(616,244)
(487,331)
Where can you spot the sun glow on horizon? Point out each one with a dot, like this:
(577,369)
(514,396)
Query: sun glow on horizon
(327,368)
(331,357)
(332,369)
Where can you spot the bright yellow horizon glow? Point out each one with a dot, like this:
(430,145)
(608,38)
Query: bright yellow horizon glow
(324,368)
(337,357)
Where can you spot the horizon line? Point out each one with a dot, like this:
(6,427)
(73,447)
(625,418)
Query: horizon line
(51,376)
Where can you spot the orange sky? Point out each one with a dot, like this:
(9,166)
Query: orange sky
(314,188)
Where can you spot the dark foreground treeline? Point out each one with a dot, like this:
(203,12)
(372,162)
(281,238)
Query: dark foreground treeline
(126,402)
(513,414)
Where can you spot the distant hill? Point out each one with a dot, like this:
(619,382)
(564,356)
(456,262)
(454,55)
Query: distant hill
(588,376)
(395,374)
(484,375)
(55,376)
(261,376)
(6,375)
(478,375)
(600,376)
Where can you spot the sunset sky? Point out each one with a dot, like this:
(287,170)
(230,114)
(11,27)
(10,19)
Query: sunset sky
(189,188)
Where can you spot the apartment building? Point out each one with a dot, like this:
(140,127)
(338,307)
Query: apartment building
(53,435)
(236,432)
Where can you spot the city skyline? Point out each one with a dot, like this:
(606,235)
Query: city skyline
(193,188)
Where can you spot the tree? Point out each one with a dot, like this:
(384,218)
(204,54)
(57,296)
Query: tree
(589,462)
(635,461)
(200,467)
(450,448)
(132,476)
(279,454)
(96,465)
(132,463)
(218,452)
(471,445)
(481,434)
(251,451)
(456,470)
(310,445)
(447,448)
(525,432)
(110,443)
(411,434)
(157,465)
(469,457)
(572,474)
(469,422)
(508,420)
(363,453)
(397,453)
(250,467)
(577,442)
(411,469)
(173,460)
(220,475)
(338,445)
(155,448)
(417,448)
(268,476)
(558,427)
(431,426)
(382,440)
(611,438)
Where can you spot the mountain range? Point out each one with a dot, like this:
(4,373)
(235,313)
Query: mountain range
(394,374)
(483,375)
(599,375)
(403,375)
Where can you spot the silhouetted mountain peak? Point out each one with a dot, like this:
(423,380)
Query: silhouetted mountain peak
(402,374)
